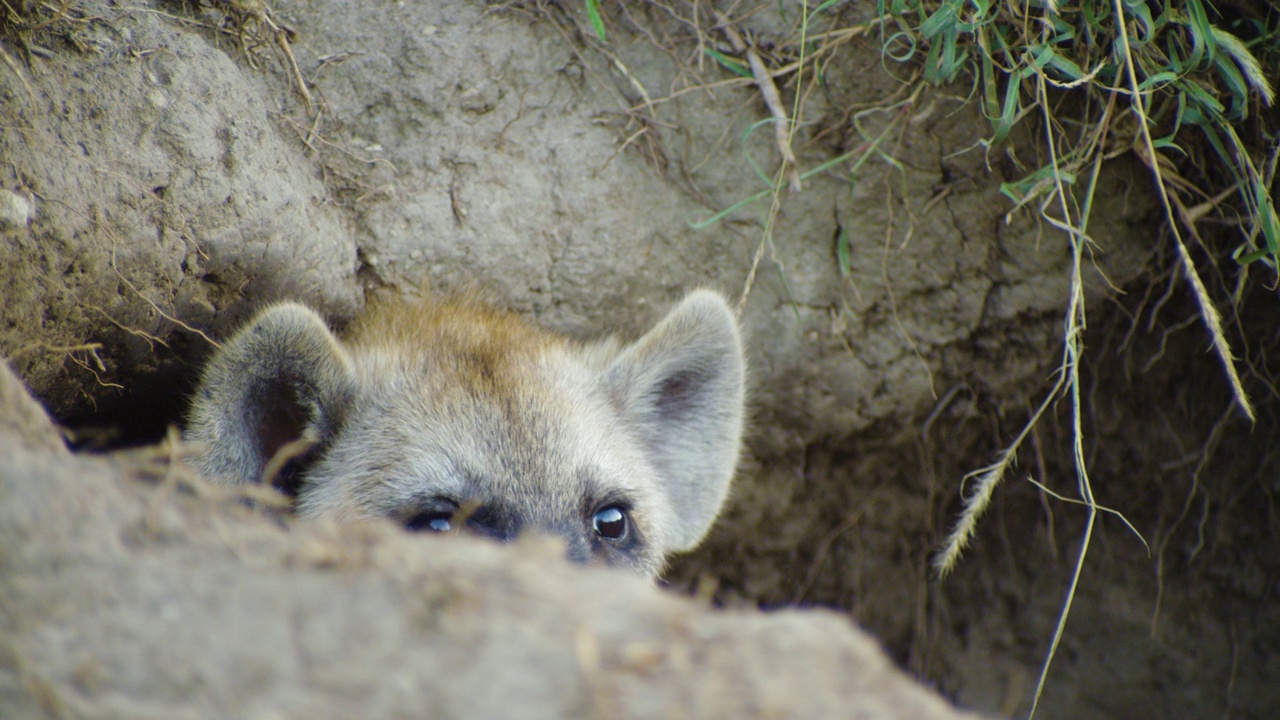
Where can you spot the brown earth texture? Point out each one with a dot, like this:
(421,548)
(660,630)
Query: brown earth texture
(167,167)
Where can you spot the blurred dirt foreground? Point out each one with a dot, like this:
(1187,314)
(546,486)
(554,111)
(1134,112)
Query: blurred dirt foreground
(132,589)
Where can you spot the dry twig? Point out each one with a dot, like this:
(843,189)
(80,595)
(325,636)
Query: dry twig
(769,91)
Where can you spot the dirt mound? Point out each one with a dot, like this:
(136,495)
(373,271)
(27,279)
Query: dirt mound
(131,588)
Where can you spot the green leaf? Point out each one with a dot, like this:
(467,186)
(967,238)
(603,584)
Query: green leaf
(730,210)
(733,65)
(1096,14)
(1205,106)
(1140,12)
(1211,134)
(1008,190)
(944,18)
(907,39)
(942,64)
(842,251)
(1265,212)
(1160,78)
(1253,257)
(1064,32)
(979,16)
(1203,45)
(1230,75)
(1019,190)
(990,98)
(899,7)
(1003,123)
(1045,56)
(593,13)
(1249,64)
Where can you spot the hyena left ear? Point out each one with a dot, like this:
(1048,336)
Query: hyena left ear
(682,388)
(281,378)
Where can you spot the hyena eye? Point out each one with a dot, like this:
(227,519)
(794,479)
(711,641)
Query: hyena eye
(610,523)
(430,521)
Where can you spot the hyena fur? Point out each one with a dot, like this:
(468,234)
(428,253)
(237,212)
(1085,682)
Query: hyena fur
(445,414)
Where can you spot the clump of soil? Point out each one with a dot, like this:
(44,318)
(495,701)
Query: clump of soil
(133,588)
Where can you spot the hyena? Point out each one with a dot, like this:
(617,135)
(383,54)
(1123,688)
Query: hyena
(449,414)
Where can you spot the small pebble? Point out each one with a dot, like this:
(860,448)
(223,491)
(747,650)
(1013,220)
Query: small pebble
(15,211)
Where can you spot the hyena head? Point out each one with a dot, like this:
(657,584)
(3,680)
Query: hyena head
(446,415)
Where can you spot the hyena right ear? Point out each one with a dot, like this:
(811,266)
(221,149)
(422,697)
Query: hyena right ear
(280,378)
(682,389)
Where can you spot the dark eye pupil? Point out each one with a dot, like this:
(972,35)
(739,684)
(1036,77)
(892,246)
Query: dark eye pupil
(610,523)
(429,522)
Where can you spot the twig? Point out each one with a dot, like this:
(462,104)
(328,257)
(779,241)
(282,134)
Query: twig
(282,39)
(768,90)
(17,70)
(287,452)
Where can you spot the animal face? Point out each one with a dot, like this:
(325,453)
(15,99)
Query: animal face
(448,415)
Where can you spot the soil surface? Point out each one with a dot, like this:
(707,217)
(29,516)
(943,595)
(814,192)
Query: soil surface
(164,175)
(132,588)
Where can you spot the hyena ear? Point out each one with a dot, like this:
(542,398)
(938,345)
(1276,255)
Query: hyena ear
(682,388)
(280,378)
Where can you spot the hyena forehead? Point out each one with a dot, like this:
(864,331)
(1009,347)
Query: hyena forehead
(462,402)
(452,400)
(460,352)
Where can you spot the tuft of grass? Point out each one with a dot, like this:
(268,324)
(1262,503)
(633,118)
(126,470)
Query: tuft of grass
(1103,77)
(1190,75)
